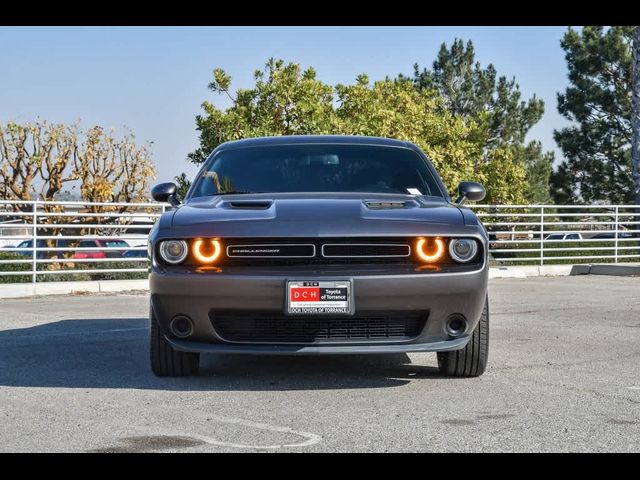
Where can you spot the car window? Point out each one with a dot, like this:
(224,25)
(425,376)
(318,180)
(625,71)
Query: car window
(115,243)
(135,253)
(555,236)
(573,236)
(317,168)
(25,244)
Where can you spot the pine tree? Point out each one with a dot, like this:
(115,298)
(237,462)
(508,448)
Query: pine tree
(597,148)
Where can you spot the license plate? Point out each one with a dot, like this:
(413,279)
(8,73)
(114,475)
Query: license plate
(317,298)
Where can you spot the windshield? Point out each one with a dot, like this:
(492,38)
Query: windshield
(317,168)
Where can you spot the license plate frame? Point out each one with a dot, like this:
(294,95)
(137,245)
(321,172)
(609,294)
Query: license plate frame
(341,302)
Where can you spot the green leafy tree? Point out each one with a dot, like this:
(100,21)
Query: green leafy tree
(597,148)
(635,115)
(539,168)
(287,100)
(561,183)
(394,108)
(183,184)
(472,92)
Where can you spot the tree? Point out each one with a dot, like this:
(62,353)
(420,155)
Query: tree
(539,168)
(34,158)
(183,184)
(635,115)
(393,108)
(38,159)
(112,169)
(597,148)
(472,92)
(286,100)
(289,100)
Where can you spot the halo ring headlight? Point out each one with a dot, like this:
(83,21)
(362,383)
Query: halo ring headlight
(173,251)
(430,250)
(463,250)
(206,257)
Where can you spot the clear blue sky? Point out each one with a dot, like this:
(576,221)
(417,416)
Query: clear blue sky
(154,79)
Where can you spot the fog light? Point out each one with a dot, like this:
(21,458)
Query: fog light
(430,249)
(456,325)
(173,251)
(463,250)
(206,251)
(181,326)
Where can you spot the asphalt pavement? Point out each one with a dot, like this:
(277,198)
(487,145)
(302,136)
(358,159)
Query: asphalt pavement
(563,375)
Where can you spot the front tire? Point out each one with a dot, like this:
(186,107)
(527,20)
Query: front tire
(470,361)
(165,360)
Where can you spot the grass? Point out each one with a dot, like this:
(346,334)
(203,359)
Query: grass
(83,270)
(624,248)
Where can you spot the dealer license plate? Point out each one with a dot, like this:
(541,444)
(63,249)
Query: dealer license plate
(326,297)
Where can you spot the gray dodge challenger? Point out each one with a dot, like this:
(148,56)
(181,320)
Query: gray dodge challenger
(318,245)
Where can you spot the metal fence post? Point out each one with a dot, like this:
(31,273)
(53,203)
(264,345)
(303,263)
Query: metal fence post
(34,233)
(616,235)
(541,236)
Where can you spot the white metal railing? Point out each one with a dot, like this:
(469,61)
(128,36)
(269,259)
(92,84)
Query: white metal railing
(58,237)
(554,234)
(74,240)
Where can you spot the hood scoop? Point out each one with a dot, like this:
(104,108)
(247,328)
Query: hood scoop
(390,204)
(247,204)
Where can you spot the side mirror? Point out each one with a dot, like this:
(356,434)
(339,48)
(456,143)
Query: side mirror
(470,191)
(166,192)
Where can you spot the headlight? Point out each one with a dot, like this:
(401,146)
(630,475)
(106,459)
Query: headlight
(430,249)
(173,251)
(206,251)
(462,250)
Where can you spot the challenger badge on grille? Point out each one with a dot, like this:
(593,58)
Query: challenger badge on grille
(272,250)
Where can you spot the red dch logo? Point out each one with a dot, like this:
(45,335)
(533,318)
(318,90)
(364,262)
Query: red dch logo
(304,294)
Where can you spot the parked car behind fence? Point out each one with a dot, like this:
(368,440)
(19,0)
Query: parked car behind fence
(102,248)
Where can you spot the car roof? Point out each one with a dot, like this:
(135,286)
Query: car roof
(315,139)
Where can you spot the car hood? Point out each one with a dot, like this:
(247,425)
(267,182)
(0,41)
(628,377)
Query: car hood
(314,215)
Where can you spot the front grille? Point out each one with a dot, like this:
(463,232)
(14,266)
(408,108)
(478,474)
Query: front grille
(322,251)
(365,327)
(355,250)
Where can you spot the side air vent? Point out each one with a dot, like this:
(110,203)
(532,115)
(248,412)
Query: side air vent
(248,204)
(375,205)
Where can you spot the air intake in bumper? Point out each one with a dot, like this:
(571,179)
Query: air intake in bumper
(365,327)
